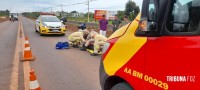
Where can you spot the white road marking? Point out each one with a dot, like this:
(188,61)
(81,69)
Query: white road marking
(26,65)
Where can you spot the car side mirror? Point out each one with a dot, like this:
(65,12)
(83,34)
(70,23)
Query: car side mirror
(62,22)
(37,21)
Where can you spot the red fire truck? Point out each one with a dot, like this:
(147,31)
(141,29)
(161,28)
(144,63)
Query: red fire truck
(159,50)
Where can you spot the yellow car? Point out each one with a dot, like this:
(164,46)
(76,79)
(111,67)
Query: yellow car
(49,24)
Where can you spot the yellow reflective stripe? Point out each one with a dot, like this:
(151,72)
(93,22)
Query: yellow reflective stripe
(92,51)
(123,50)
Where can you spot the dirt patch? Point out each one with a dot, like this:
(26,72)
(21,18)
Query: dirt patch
(3,19)
(32,19)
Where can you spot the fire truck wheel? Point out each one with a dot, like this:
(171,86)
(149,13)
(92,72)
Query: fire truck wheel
(122,86)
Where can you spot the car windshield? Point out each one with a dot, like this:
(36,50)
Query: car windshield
(184,16)
(50,19)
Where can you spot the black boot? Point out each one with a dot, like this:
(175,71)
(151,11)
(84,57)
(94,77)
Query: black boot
(83,48)
(94,54)
(75,46)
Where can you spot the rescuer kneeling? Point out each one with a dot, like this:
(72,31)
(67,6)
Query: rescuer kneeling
(77,38)
(99,41)
(89,40)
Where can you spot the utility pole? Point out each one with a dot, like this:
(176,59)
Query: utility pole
(51,10)
(61,10)
(88,3)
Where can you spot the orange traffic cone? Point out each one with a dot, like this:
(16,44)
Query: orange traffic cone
(27,42)
(34,85)
(27,55)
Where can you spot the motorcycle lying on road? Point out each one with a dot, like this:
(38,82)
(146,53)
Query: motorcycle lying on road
(12,19)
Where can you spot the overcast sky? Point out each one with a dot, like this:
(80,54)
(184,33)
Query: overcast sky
(41,5)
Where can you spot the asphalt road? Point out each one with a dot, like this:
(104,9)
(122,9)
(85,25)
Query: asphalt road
(68,69)
(8,34)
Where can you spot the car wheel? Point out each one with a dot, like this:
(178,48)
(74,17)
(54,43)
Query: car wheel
(40,32)
(36,29)
(122,86)
(63,34)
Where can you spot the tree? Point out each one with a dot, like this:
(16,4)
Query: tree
(120,14)
(91,15)
(33,15)
(131,9)
(7,12)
